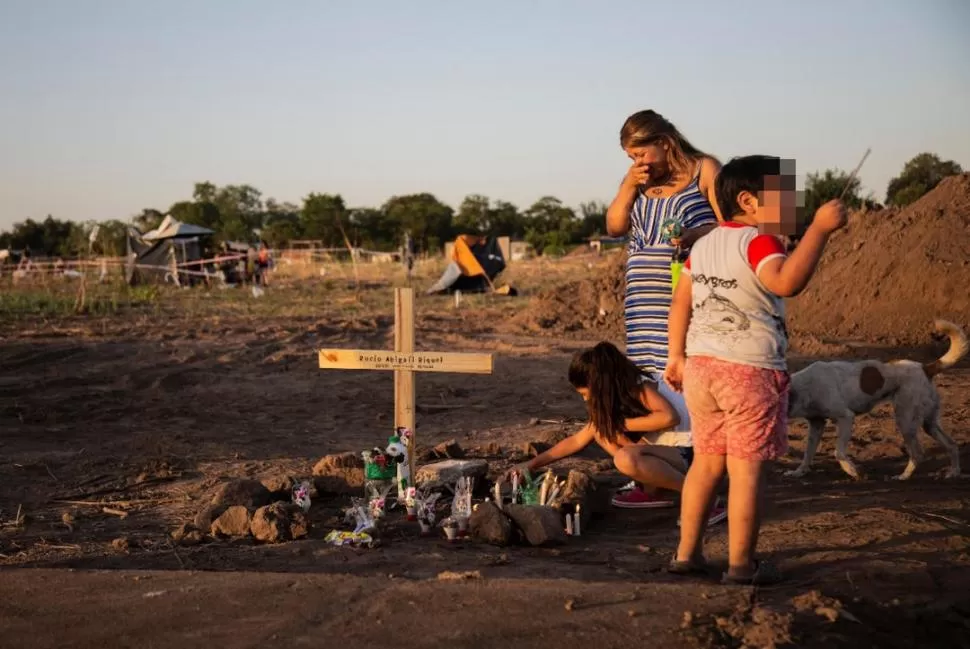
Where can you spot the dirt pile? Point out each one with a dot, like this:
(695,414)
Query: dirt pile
(889,273)
(592,304)
(883,279)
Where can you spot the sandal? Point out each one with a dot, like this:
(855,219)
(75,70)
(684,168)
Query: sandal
(687,568)
(765,573)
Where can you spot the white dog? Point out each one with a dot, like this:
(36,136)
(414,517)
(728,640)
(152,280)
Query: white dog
(840,390)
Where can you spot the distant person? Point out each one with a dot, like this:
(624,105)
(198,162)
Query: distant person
(633,420)
(670,182)
(263,262)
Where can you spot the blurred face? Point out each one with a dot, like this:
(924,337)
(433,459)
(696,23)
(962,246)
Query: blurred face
(584,393)
(652,156)
(775,213)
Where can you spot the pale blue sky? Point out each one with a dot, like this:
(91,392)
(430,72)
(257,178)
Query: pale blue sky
(109,106)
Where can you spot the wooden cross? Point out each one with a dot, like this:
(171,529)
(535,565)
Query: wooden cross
(404,362)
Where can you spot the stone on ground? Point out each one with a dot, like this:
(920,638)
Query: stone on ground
(533,449)
(449,450)
(342,474)
(279,485)
(541,525)
(187,535)
(583,490)
(234,522)
(447,472)
(279,522)
(203,520)
(487,523)
(245,492)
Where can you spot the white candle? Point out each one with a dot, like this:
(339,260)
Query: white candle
(576,521)
(569,525)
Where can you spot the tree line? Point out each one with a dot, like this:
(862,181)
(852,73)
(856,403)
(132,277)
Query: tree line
(240,213)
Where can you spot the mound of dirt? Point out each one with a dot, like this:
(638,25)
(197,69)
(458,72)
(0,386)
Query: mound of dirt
(592,304)
(883,279)
(887,275)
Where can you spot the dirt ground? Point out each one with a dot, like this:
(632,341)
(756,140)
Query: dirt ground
(147,411)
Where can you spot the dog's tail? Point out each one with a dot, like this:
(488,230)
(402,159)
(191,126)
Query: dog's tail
(959,346)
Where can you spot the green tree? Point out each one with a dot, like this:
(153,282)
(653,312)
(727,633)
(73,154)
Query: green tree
(919,176)
(592,219)
(281,224)
(474,215)
(372,228)
(322,216)
(506,220)
(548,215)
(50,237)
(240,211)
(823,187)
(427,219)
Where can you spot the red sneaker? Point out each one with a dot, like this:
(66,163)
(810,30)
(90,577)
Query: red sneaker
(638,499)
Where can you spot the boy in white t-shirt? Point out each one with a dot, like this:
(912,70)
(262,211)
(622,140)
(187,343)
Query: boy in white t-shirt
(727,352)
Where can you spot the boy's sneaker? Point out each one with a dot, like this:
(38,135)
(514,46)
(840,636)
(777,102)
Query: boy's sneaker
(638,499)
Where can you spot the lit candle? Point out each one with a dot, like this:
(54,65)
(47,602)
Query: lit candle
(569,525)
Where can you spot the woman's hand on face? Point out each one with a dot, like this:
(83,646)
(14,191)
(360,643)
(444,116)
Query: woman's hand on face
(638,174)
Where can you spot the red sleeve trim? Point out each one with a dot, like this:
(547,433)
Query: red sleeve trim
(762,248)
(687,263)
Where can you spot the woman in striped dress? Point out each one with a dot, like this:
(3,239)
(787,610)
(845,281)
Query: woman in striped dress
(668,188)
(669,181)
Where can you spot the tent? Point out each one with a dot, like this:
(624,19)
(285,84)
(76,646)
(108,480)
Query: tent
(155,256)
(169,228)
(475,262)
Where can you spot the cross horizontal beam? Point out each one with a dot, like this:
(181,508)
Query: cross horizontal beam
(369,359)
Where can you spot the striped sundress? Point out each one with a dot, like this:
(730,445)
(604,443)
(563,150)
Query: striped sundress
(648,278)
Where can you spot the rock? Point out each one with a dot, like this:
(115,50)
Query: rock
(232,522)
(493,449)
(341,474)
(121,544)
(533,449)
(194,537)
(270,524)
(448,575)
(581,489)
(338,461)
(279,522)
(244,492)
(203,520)
(487,523)
(533,421)
(180,532)
(279,485)
(447,472)
(299,522)
(540,525)
(449,450)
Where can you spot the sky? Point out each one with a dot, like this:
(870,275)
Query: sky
(111,106)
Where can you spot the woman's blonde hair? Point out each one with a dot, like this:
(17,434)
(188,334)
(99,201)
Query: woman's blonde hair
(650,127)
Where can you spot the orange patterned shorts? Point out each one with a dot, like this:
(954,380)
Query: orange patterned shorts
(737,410)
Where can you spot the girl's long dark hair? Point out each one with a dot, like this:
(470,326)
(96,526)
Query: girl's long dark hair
(615,385)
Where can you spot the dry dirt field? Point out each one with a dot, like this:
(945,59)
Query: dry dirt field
(153,398)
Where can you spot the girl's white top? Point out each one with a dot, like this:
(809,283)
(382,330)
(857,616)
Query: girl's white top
(678,435)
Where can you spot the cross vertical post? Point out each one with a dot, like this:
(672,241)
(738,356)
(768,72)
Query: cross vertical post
(404,379)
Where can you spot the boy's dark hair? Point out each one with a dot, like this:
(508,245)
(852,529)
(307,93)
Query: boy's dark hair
(747,174)
(614,384)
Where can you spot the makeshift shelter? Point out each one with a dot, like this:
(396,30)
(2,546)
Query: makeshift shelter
(155,257)
(474,263)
